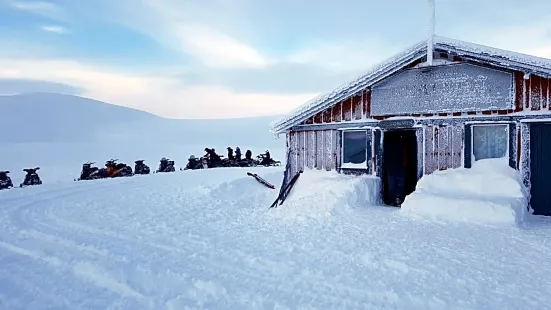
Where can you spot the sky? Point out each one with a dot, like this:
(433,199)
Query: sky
(234,58)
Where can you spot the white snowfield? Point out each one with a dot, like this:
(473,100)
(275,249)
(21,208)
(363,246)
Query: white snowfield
(206,240)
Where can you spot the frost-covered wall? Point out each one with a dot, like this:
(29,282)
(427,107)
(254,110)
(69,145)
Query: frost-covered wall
(443,147)
(449,88)
(537,93)
(352,109)
(314,149)
(525,154)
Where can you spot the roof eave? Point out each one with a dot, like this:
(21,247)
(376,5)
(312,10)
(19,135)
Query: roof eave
(396,63)
(361,83)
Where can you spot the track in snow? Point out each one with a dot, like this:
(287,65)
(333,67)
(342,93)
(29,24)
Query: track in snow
(189,239)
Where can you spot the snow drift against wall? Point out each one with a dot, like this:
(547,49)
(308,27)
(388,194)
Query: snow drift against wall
(319,194)
(489,193)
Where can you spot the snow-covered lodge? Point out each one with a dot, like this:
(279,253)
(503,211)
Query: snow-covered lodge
(474,102)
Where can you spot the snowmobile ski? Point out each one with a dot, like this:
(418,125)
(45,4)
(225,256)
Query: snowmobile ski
(285,191)
(261,180)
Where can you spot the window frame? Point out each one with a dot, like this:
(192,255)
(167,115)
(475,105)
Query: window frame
(473,125)
(367,131)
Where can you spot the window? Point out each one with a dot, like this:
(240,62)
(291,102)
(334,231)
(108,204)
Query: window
(354,149)
(490,141)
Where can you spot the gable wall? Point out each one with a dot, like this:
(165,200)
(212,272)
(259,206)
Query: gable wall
(533,94)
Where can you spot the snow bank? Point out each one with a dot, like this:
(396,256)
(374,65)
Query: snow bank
(319,194)
(489,193)
(246,191)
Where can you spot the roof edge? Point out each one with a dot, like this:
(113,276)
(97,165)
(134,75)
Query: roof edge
(388,66)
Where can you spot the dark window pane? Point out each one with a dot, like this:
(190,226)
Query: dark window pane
(354,147)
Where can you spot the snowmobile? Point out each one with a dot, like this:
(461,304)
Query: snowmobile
(141,168)
(88,172)
(115,169)
(245,163)
(5,180)
(166,165)
(261,162)
(170,167)
(31,178)
(195,163)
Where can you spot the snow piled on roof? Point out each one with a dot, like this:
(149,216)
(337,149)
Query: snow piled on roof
(348,88)
(540,63)
(500,57)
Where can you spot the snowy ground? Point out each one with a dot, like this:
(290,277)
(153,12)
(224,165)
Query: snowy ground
(206,240)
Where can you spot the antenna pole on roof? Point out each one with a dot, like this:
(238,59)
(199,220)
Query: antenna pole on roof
(430,39)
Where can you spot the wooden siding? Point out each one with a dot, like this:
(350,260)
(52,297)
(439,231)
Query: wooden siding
(314,149)
(355,108)
(443,147)
(537,94)
(532,94)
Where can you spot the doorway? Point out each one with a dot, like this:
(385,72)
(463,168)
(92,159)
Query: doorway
(540,168)
(399,165)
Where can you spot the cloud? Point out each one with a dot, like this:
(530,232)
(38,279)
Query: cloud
(161,95)
(54,29)
(42,8)
(217,49)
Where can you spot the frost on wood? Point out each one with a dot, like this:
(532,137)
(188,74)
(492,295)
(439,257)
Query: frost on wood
(497,57)
(450,88)
(525,154)
(514,138)
(294,152)
(320,154)
(311,150)
(429,149)
(301,150)
(443,146)
(457,145)
(420,151)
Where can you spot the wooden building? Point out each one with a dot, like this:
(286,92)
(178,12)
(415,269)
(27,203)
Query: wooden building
(473,102)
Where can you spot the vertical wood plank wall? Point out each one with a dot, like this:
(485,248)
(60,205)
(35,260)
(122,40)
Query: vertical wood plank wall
(443,147)
(319,149)
(537,95)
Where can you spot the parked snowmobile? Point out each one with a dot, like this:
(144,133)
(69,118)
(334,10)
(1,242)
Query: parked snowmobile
(195,163)
(31,178)
(170,167)
(141,168)
(266,160)
(115,169)
(245,163)
(166,165)
(88,172)
(5,180)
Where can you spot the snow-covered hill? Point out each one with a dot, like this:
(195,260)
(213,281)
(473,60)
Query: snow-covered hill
(48,117)
(206,240)
(60,132)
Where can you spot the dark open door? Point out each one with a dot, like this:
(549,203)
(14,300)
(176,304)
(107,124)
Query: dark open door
(540,168)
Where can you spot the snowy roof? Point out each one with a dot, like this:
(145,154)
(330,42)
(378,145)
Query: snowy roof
(469,51)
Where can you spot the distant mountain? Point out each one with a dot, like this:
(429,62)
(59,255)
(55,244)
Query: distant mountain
(48,117)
